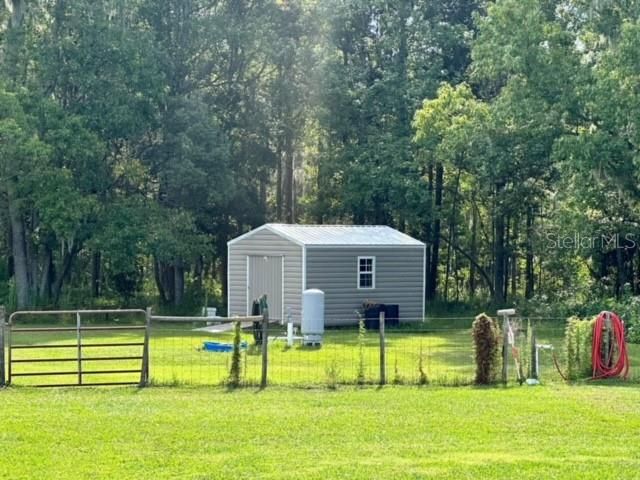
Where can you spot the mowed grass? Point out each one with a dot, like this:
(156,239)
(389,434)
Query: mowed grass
(583,432)
(177,357)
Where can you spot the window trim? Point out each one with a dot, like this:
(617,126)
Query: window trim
(373,272)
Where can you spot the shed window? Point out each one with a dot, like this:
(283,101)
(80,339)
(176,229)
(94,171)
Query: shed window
(366,272)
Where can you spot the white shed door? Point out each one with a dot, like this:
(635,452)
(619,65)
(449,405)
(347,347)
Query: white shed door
(264,276)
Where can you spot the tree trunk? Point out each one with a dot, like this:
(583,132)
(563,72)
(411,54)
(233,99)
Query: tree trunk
(621,278)
(178,283)
(320,188)
(279,184)
(435,253)
(483,273)
(199,271)
(221,247)
(636,282)
(529,287)
(159,277)
(452,218)
(65,270)
(514,260)
(20,259)
(473,252)
(96,274)
(288,187)
(17,9)
(507,257)
(48,274)
(428,240)
(32,258)
(499,250)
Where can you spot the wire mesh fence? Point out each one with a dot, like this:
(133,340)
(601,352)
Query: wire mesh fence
(414,354)
(178,355)
(435,352)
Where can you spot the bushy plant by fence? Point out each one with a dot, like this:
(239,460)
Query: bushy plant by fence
(486,340)
(578,341)
(235,372)
(422,375)
(333,375)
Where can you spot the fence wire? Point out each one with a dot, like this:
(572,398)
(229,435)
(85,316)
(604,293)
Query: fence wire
(416,353)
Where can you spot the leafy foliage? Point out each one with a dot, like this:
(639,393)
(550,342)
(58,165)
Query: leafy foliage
(235,370)
(138,137)
(578,340)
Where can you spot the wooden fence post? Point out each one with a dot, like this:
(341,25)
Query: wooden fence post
(144,371)
(265,340)
(2,368)
(383,375)
(505,348)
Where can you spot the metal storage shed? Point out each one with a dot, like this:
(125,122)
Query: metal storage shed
(350,263)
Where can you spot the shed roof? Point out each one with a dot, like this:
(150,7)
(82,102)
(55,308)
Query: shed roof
(336,235)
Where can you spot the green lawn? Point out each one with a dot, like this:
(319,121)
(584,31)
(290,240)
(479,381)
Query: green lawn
(584,432)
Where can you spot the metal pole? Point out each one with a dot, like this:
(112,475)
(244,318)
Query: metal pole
(9,327)
(505,314)
(2,368)
(79,337)
(144,371)
(505,349)
(535,366)
(383,374)
(265,340)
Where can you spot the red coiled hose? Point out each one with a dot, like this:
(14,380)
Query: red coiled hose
(603,364)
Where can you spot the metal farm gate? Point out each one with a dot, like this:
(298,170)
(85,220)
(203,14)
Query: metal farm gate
(76,358)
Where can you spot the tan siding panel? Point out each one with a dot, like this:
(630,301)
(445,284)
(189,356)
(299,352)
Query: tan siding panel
(399,280)
(264,242)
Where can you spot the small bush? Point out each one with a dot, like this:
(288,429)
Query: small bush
(422,376)
(578,341)
(333,375)
(486,340)
(398,379)
(235,370)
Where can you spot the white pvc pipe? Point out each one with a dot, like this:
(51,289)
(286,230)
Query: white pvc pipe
(290,334)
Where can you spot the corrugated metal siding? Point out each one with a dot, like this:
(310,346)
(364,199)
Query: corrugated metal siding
(344,234)
(399,280)
(264,242)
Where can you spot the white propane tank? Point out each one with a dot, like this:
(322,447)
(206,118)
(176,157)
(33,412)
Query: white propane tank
(312,316)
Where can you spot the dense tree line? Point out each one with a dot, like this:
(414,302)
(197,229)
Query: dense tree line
(138,137)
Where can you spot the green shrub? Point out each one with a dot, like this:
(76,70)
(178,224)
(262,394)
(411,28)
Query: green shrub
(627,307)
(398,379)
(633,330)
(235,370)
(422,375)
(333,375)
(578,341)
(486,340)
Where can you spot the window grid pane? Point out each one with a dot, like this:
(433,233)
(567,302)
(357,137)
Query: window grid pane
(365,272)
(366,280)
